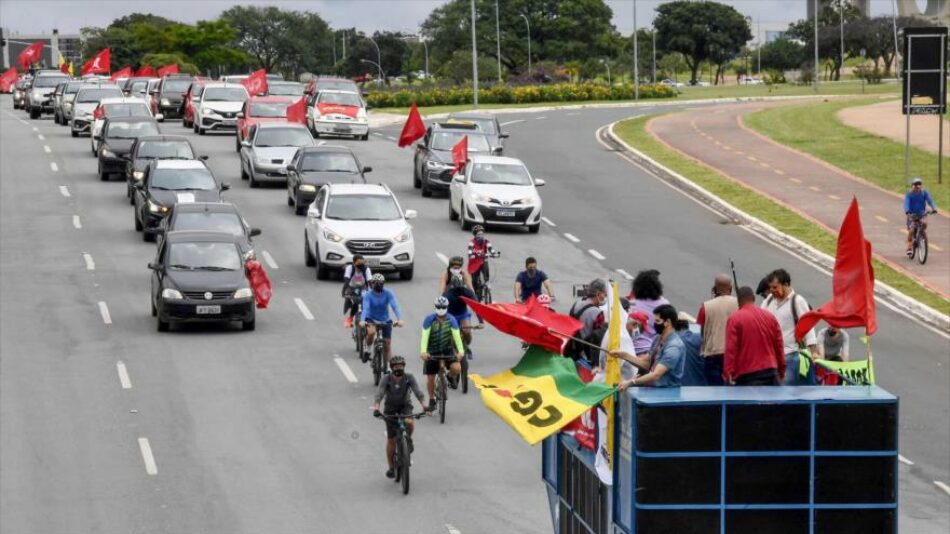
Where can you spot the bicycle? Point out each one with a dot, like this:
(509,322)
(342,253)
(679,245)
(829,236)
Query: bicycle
(379,349)
(483,287)
(359,332)
(919,247)
(442,383)
(402,457)
(463,377)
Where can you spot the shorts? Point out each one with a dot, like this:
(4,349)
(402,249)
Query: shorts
(431,366)
(391,424)
(385,329)
(910,221)
(463,317)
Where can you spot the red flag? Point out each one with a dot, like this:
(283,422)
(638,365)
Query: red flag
(852,303)
(168,69)
(259,281)
(460,155)
(30,54)
(297,112)
(413,129)
(256,83)
(584,428)
(124,72)
(531,322)
(98,64)
(7,79)
(146,70)
(63,66)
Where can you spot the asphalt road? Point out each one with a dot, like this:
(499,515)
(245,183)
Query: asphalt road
(263,431)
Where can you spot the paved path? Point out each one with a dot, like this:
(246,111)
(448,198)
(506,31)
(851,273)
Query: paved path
(885,119)
(811,187)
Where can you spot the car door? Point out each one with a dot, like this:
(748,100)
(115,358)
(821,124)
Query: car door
(139,194)
(130,163)
(242,120)
(457,189)
(247,152)
(293,177)
(158,275)
(421,149)
(313,223)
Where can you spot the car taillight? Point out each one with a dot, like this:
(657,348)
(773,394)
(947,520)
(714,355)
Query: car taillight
(99,112)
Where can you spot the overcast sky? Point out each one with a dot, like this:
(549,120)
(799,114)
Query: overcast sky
(40,16)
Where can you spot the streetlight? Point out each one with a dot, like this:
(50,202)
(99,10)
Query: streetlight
(816,45)
(654,56)
(528,24)
(425,46)
(474,60)
(636,59)
(379,60)
(498,41)
(841,33)
(378,66)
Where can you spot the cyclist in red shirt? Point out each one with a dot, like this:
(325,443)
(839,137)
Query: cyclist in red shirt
(479,248)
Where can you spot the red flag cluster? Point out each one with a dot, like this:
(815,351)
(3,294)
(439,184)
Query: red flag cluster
(124,72)
(30,54)
(168,69)
(98,64)
(531,322)
(297,112)
(145,71)
(256,83)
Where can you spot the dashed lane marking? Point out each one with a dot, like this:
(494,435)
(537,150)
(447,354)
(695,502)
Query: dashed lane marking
(751,158)
(764,165)
(452,530)
(47,149)
(881,218)
(780,172)
(304,310)
(77,224)
(941,485)
(549,222)
(571,238)
(63,190)
(391,138)
(147,457)
(516,121)
(625,274)
(345,369)
(104,312)
(596,254)
(270,260)
(741,153)
(935,247)
(53,166)
(41,137)
(377,134)
(813,188)
(903,460)
(539,118)
(726,147)
(90,263)
(123,375)
(834,197)
(35,129)
(442,257)
(796,180)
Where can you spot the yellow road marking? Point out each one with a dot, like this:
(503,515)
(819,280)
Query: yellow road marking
(740,152)
(834,197)
(751,158)
(796,180)
(935,247)
(727,147)
(765,165)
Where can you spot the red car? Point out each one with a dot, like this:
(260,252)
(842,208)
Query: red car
(188,111)
(258,109)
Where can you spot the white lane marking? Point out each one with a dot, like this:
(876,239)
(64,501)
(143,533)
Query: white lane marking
(442,257)
(53,166)
(147,457)
(539,118)
(303,309)
(903,460)
(452,530)
(596,254)
(35,129)
(104,312)
(378,134)
(345,369)
(391,138)
(40,137)
(77,224)
(625,274)
(269,259)
(47,149)
(549,222)
(63,190)
(90,263)
(941,485)
(511,122)
(571,238)
(123,375)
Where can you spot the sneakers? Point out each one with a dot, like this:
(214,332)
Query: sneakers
(453,382)
(910,253)
(390,473)
(348,322)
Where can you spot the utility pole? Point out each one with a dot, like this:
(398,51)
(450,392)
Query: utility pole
(897,70)
(758,49)
(841,35)
(636,59)
(474,60)
(816,45)
(498,41)
(528,24)
(654,56)
(344,45)
(333,40)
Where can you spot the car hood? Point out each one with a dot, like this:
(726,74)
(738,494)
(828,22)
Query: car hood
(84,107)
(503,192)
(120,146)
(228,107)
(319,178)
(206,280)
(285,153)
(251,121)
(168,198)
(442,156)
(336,109)
(366,229)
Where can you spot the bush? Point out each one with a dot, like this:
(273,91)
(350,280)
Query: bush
(505,94)
(871,74)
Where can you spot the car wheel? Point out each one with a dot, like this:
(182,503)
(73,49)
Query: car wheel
(194,126)
(74,133)
(147,236)
(201,131)
(243,172)
(163,326)
(534,228)
(299,207)
(365,136)
(462,221)
(154,309)
(138,222)
(131,198)
(322,271)
(453,215)
(103,176)
(407,273)
(248,326)
(34,113)
(426,192)
(308,258)
(237,143)
(416,182)
(254,183)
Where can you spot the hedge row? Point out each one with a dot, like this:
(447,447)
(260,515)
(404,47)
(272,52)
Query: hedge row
(502,94)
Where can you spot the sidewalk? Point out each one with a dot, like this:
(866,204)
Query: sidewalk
(816,190)
(886,120)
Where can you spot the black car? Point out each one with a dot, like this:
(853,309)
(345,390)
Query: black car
(488,124)
(199,277)
(169,182)
(210,217)
(433,166)
(115,141)
(314,167)
(154,147)
(169,94)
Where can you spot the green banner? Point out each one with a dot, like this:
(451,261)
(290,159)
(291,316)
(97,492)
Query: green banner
(854,373)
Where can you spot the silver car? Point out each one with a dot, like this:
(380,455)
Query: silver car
(39,99)
(63,104)
(85,103)
(269,148)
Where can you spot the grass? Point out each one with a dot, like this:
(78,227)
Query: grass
(748,200)
(814,128)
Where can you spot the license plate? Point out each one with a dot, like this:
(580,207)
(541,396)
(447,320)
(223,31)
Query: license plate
(341,129)
(505,213)
(372,262)
(208,310)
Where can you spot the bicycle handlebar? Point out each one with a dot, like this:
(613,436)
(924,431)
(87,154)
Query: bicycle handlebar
(397,417)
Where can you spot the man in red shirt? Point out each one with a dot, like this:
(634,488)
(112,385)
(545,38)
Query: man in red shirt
(755,353)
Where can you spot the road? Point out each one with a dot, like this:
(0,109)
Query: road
(233,432)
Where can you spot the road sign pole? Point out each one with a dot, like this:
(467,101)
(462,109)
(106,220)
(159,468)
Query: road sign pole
(940,112)
(910,101)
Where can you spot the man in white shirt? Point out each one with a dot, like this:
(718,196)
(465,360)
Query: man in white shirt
(788,306)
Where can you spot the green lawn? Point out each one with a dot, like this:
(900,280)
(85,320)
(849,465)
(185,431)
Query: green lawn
(814,128)
(632,131)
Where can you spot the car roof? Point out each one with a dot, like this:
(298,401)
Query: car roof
(210,85)
(137,118)
(328,91)
(275,98)
(458,126)
(466,115)
(327,148)
(500,160)
(284,82)
(122,100)
(359,189)
(163,137)
(179,164)
(192,236)
(202,207)
(281,125)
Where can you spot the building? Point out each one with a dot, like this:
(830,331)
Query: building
(937,11)
(69,45)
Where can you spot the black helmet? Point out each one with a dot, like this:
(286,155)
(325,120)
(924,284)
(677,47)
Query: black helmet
(477,229)
(457,259)
(397,360)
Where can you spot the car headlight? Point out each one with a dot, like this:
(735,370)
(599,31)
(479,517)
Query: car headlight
(165,102)
(171,294)
(68,105)
(138,175)
(329,235)
(87,114)
(210,112)
(156,208)
(308,188)
(406,235)
(243,293)
(106,153)
(437,165)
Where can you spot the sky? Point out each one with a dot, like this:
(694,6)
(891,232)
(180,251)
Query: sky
(41,16)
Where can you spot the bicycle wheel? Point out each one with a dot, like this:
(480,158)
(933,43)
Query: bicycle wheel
(397,457)
(922,248)
(404,464)
(440,394)
(487,294)
(377,364)
(463,378)
(359,336)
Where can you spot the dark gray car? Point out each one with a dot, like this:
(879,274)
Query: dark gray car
(314,167)
(488,124)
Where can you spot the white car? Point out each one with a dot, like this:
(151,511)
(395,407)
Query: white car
(116,107)
(752,81)
(332,112)
(219,106)
(495,190)
(84,106)
(347,219)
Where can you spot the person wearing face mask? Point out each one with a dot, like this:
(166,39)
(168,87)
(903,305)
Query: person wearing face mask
(457,307)
(355,277)
(441,345)
(532,281)
(376,305)
(664,362)
(479,249)
(396,388)
(455,267)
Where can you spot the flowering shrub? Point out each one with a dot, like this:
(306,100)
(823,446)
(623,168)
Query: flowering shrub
(526,94)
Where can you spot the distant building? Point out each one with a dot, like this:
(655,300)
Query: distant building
(937,11)
(70,46)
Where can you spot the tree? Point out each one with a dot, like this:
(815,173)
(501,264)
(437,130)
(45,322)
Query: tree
(458,68)
(289,41)
(701,31)
(782,54)
(829,31)
(876,37)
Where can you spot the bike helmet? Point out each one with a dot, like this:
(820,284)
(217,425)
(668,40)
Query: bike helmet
(544,299)
(456,281)
(397,360)
(378,279)
(441,302)
(478,229)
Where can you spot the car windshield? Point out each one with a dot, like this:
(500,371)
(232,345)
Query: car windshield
(341,99)
(95,95)
(225,94)
(138,87)
(131,130)
(72,88)
(204,256)
(48,81)
(179,179)
(485,125)
(340,85)
(269,109)
(362,208)
(268,137)
(196,89)
(446,140)
(285,89)
(228,223)
(329,162)
(175,87)
(137,109)
(500,174)
(164,150)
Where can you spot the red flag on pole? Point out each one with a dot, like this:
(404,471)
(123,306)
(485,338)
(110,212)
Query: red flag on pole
(30,54)
(256,83)
(168,69)
(297,112)
(98,64)
(413,129)
(460,155)
(146,70)
(124,72)
(7,79)
(852,303)
(531,322)
(260,283)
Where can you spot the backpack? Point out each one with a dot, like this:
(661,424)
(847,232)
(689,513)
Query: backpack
(575,350)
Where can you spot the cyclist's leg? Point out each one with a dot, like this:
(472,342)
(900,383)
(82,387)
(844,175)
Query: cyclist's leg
(455,369)
(390,450)
(910,233)
(430,368)
(465,323)
(370,335)
(387,333)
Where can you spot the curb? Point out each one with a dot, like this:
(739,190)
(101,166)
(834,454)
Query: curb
(894,297)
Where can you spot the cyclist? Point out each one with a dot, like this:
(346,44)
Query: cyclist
(455,267)
(479,248)
(376,305)
(355,277)
(532,281)
(440,337)
(915,206)
(396,387)
(457,307)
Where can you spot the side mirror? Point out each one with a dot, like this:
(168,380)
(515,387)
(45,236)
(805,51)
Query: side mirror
(538,182)
(460,178)
(411,214)
(291,168)
(225,186)
(315,213)
(368,107)
(367,169)
(154,231)
(503,136)
(154,266)
(203,158)
(138,185)
(420,145)
(254,232)
(240,115)
(496,150)
(97,137)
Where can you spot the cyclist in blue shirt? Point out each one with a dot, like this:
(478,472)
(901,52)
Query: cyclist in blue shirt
(915,206)
(376,305)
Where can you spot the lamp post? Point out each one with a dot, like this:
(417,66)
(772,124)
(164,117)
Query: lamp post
(758,49)
(636,59)
(528,24)
(607,64)
(841,34)
(425,46)
(816,45)
(474,60)
(378,67)
(498,41)
(379,61)
(654,56)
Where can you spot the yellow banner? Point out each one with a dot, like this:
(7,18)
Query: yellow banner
(613,364)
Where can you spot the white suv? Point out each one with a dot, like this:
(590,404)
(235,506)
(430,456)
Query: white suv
(347,219)
(219,106)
